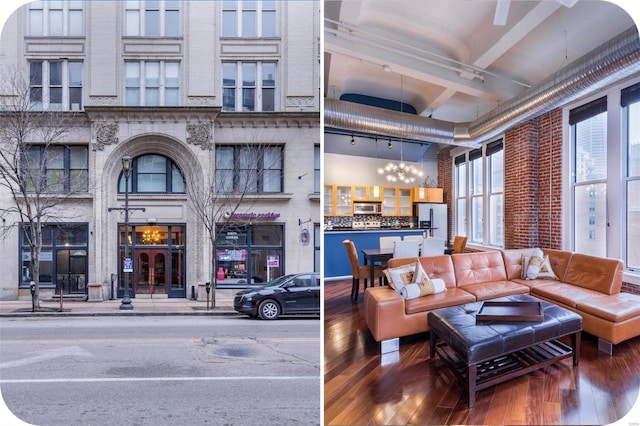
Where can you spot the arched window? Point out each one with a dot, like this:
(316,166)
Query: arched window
(153,174)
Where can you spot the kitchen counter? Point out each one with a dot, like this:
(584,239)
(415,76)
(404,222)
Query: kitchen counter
(336,262)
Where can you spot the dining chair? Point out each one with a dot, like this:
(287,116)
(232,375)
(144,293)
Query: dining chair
(387,242)
(406,248)
(459,243)
(359,272)
(432,247)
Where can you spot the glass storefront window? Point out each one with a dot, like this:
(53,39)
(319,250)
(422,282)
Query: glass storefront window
(249,254)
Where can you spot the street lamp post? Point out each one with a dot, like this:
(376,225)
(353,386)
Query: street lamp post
(126,169)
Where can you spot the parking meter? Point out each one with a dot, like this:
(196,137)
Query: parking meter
(32,288)
(208,287)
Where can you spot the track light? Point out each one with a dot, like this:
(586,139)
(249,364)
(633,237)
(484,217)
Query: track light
(353,141)
(389,145)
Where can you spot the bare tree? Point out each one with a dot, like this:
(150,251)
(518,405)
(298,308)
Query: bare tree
(31,143)
(241,171)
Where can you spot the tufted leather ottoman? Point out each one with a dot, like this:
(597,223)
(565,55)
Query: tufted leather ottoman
(483,354)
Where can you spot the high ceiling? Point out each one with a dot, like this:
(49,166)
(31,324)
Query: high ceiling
(456,60)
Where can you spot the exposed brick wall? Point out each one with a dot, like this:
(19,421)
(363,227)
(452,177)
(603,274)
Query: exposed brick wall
(521,198)
(550,179)
(445,181)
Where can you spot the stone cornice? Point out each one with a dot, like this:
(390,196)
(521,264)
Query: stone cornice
(149,114)
(268,120)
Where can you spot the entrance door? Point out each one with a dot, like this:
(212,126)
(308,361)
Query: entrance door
(150,271)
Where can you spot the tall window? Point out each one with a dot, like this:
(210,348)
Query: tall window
(249,86)
(152,83)
(249,18)
(154,174)
(159,18)
(55,85)
(316,169)
(479,195)
(630,102)
(249,169)
(589,186)
(56,169)
(55,18)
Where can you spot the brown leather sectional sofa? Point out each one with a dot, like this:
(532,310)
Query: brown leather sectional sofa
(586,284)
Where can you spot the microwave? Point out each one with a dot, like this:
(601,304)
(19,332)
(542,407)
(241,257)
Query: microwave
(367,208)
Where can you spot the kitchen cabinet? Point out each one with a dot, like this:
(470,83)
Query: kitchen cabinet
(427,195)
(366,193)
(396,202)
(338,200)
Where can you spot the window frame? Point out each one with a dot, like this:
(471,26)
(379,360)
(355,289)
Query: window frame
(240,169)
(72,12)
(137,18)
(170,168)
(41,175)
(236,90)
(239,14)
(143,84)
(45,86)
(473,186)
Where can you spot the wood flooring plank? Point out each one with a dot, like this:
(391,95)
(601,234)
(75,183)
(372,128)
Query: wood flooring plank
(361,389)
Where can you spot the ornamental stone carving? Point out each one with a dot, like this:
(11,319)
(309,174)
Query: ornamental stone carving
(201,101)
(200,134)
(300,101)
(105,134)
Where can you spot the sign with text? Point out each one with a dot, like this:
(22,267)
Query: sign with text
(127,265)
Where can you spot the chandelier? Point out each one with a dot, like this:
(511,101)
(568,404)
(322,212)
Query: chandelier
(150,237)
(400,172)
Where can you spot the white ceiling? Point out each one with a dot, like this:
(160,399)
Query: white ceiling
(447,58)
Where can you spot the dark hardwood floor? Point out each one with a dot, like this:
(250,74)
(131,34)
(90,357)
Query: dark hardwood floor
(362,387)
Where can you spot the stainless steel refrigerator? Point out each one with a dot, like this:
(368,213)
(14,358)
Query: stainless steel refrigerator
(433,219)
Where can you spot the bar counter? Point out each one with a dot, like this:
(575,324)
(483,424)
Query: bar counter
(336,262)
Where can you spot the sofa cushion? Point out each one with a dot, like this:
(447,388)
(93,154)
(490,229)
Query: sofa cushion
(615,307)
(451,297)
(559,260)
(567,294)
(595,273)
(512,259)
(491,290)
(478,268)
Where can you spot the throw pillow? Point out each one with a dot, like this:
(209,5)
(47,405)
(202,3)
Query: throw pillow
(534,264)
(525,265)
(400,276)
(546,271)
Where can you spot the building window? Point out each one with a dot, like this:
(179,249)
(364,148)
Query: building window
(249,253)
(630,102)
(55,18)
(56,169)
(152,18)
(589,187)
(249,18)
(316,169)
(249,169)
(55,85)
(257,88)
(152,83)
(154,174)
(63,257)
(479,195)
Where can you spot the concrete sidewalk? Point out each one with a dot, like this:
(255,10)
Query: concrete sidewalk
(141,306)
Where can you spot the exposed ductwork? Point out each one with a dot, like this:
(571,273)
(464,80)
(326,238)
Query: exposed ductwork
(614,60)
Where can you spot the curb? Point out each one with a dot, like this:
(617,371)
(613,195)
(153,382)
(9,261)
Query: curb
(26,314)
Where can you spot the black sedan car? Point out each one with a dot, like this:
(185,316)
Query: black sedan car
(288,294)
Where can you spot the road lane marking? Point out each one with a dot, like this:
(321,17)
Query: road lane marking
(155,340)
(157,379)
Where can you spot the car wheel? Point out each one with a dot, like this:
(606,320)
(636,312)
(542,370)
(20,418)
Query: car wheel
(269,310)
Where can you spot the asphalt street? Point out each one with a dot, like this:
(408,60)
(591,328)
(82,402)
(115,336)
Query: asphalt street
(163,370)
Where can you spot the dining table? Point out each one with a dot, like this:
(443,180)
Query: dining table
(374,255)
